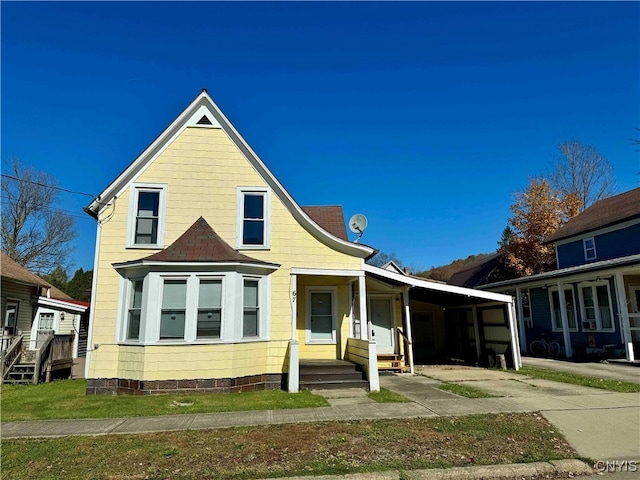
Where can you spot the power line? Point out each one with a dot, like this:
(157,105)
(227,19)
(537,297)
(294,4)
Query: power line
(72,213)
(48,186)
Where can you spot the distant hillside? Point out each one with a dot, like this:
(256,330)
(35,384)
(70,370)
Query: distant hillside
(444,272)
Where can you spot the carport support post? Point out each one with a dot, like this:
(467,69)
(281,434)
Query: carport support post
(407,316)
(623,311)
(523,335)
(513,328)
(476,330)
(565,321)
(294,361)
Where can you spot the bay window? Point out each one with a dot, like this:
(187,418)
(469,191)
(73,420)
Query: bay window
(174,309)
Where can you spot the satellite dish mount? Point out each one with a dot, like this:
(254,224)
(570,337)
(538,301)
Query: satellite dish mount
(358,224)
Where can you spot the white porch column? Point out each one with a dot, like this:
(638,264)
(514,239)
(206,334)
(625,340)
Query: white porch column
(364,320)
(565,321)
(523,335)
(294,348)
(374,378)
(513,328)
(407,315)
(623,312)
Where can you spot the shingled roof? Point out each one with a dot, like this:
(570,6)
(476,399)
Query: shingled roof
(475,274)
(200,243)
(330,218)
(14,271)
(612,210)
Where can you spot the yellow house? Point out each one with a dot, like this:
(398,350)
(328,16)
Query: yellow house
(210,277)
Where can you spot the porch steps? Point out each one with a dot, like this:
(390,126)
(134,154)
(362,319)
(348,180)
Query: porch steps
(21,373)
(331,374)
(390,363)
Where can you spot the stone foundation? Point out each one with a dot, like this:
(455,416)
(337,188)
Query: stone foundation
(123,386)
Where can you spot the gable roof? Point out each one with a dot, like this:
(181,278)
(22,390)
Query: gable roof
(476,273)
(203,105)
(14,271)
(329,217)
(607,212)
(200,243)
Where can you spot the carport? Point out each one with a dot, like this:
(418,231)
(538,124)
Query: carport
(443,321)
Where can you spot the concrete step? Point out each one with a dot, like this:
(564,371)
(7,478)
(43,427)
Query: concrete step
(336,384)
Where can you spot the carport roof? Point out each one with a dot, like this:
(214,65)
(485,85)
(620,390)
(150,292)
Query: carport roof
(437,293)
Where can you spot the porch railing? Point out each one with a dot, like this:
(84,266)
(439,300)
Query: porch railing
(10,354)
(56,352)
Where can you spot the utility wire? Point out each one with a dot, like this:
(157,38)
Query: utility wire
(48,186)
(72,213)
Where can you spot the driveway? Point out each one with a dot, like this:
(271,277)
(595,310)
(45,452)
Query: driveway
(601,425)
(612,370)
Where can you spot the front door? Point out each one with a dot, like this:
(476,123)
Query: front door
(381,309)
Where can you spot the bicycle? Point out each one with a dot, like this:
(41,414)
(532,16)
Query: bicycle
(544,347)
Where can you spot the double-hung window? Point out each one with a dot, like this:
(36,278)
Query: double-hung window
(253,227)
(174,309)
(11,316)
(209,309)
(146,216)
(589,249)
(597,313)
(556,311)
(250,308)
(135,309)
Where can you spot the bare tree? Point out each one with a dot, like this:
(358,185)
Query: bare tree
(584,172)
(33,231)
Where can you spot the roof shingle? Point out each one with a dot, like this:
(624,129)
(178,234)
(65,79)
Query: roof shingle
(13,270)
(329,217)
(612,210)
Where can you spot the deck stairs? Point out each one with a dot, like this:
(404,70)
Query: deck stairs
(391,363)
(331,374)
(21,373)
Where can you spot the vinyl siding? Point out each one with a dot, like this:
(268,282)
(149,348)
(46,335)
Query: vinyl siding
(24,294)
(619,243)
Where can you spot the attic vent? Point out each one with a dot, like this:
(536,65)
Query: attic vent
(204,121)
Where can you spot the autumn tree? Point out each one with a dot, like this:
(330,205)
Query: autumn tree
(584,172)
(33,231)
(538,212)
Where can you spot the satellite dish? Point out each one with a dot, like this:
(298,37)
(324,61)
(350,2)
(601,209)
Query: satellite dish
(357,224)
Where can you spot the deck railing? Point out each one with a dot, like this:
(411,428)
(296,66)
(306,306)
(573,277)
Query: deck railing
(56,351)
(10,354)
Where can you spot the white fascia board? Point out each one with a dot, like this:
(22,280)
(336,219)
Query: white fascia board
(596,232)
(327,272)
(174,129)
(193,265)
(439,287)
(61,304)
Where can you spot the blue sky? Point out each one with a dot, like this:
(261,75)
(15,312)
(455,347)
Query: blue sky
(426,117)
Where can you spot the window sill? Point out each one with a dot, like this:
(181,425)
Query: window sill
(178,343)
(253,247)
(321,342)
(571,330)
(147,246)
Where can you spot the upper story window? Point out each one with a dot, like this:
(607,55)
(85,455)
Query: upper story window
(146,216)
(253,222)
(589,249)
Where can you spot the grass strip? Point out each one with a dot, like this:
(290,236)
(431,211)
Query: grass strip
(387,396)
(464,390)
(67,399)
(575,379)
(294,449)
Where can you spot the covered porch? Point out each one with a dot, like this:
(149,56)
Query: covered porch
(403,320)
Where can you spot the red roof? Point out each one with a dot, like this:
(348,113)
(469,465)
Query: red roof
(612,210)
(200,244)
(330,218)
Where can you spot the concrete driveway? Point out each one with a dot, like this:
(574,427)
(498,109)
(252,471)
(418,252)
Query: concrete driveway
(627,372)
(601,425)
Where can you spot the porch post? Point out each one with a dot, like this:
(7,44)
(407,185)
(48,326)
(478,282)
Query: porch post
(523,335)
(565,321)
(476,331)
(294,352)
(364,321)
(623,312)
(407,315)
(513,328)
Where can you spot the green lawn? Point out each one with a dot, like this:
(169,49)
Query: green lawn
(307,449)
(387,396)
(67,399)
(586,381)
(464,390)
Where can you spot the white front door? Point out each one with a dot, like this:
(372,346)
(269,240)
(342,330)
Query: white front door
(381,311)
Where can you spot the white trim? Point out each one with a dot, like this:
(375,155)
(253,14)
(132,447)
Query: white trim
(92,311)
(523,335)
(327,272)
(62,304)
(365,330)
(134,192)
(440,287)
(16,302)
(600,231)
(565,319)
(265,193)
(625,326)
(409,332)
(200,266)
(203,111)
(586,249)
(334,314)
(175,128)
(596,307)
